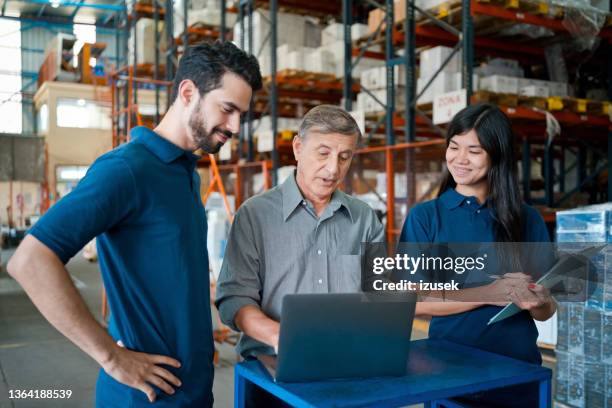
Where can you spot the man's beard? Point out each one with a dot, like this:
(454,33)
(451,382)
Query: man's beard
(204,139)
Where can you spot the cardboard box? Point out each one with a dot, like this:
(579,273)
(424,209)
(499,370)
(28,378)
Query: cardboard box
(559,89)
(443,83)
(332,33)
(312,33)
(368,104)
(399,10)
(364,65)
(377,15)
(321,61)
(336,48)
(535,90)
(504,62)
(489,69)
(291,29)
(376,78)
(432,59)
(499,84)
(459,85)
(358,31)
(374,18)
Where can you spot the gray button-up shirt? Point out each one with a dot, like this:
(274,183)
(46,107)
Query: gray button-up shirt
(277,245)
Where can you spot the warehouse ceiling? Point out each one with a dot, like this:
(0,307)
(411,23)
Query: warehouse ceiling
(64,11)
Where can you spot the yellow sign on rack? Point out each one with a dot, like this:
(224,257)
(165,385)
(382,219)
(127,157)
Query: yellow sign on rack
(512,4)
(581,105)
(542,8)
(443,10)
(554,104)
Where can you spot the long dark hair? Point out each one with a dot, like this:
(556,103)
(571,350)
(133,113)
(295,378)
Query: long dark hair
(495,135)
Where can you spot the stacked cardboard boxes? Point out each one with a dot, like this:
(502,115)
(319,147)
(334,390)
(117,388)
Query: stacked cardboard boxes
(584,340)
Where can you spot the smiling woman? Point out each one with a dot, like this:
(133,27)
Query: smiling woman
(479,202)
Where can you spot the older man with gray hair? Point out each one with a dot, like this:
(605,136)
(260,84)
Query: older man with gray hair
(303,236)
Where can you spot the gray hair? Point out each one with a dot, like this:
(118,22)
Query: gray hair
(329,119)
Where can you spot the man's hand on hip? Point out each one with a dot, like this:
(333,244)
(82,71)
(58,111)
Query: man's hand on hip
(140,370)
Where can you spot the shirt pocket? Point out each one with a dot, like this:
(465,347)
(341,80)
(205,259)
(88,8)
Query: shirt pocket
(349,274)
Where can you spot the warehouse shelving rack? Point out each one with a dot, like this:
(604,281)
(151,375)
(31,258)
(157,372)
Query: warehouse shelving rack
(529,124)
(283,86)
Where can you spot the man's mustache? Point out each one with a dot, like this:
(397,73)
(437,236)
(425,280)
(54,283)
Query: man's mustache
(226,133)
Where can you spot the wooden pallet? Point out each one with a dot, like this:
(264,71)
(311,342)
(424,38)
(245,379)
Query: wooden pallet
(579,106)
(308,76)
(148,70)
(502,99)
(532,102)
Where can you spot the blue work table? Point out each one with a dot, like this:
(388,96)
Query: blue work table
(437,370)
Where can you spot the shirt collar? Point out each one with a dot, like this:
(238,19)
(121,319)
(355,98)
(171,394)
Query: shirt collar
(452,199)
(292,198)
(161,147)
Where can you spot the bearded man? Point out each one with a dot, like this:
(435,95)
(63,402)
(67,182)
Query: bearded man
(143,202)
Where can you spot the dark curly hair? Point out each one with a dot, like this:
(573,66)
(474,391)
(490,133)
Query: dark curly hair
(205,64)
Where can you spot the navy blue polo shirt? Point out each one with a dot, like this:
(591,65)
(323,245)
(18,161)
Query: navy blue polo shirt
(453,217)
(142,201)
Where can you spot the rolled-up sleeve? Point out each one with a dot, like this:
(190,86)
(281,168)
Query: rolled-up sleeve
(240,282)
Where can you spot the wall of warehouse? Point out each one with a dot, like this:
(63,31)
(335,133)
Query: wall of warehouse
(26,199)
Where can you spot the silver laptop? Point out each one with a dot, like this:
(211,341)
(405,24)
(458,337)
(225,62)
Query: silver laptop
(325,336)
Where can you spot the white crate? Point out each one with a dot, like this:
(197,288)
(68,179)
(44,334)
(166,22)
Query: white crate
(321,61)
(500,84)
(535,90)
(332,33)
(359,30)
(443,83)
(432,59)
(559,89)
(336,48)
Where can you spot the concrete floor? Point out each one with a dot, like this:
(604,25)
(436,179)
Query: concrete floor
(33,355)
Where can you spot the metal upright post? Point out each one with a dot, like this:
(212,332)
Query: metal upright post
(410,72)
(132,83)
(169,23)
(390,108)
(467,27)
(223,23)
(156,65)
(185,26)
(241,5)
(549,174)
(347,21)
(250,146)
(581,160)
(410,99)
(241,22)
(609,165)
(128,62)
(562,172)
(609,55)
(526,167)
(273,89)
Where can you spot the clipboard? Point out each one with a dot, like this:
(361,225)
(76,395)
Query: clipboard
(555,275)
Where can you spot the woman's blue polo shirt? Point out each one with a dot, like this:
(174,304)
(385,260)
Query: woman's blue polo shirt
(454,218)
(142,201)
